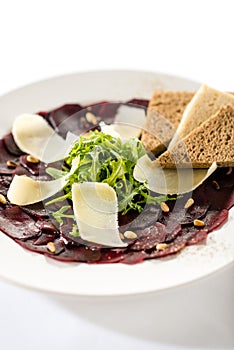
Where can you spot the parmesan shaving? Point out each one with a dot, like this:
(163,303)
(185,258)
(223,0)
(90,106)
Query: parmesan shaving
(95,207)
(169,181)
(109,130)
(128,124)
(33,135)
(24,190)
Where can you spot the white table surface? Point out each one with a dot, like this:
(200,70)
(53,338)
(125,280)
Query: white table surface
(189,38)
(199,315)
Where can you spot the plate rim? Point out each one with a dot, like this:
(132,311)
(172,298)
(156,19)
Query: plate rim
(90,72)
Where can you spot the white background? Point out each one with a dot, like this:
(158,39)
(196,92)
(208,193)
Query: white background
(194,39)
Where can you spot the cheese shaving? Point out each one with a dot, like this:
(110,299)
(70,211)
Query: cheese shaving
(95,207)
(128,124)
(33,135)
(24,190)
(169,181)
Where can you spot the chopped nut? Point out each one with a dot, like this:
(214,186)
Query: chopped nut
(11,164)
(164,207)
(2,199)
(91,118)
(216,185)
(189,203)
(198,223)
(161,246)
(121,236)
(130,235)
(32,159)
(51,247)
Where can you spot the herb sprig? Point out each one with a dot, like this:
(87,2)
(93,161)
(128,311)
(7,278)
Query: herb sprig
(104,158)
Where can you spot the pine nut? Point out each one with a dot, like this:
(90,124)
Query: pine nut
(121,236)
(51,247)
(32,159)
(11,164)
(161,246)
(164,207)
(91,118)
(189,203)
(130,235)
(2,199)
(198,223)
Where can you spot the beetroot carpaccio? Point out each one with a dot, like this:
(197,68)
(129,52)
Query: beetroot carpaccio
(33,228)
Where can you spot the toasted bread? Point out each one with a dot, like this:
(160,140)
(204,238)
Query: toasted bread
(212,141)
(205,103)
(158,131)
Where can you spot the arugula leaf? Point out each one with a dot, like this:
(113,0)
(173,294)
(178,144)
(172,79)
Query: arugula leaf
(104,158)
(60,214)
(75,232)
(55,173)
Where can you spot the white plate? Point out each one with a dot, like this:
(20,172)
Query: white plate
(36,271)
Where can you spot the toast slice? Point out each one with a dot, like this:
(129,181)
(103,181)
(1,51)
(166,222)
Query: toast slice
(212,141)
(158,131)
(205,103)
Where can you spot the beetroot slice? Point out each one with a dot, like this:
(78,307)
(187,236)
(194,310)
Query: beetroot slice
(11,146)
(139,102)
(194,212)
(66,229)
(46,226)
(5,170)
(33,246)
(77,122)
(17,224)
(222,198)
(145,219)
(215,219)
(29,245)
(150,237)
(20,170)
(79,254)
(134,258)
(200,236)
(31,227)
(59,115)
(172,248)
(5,182)
(181,216)
(112,256)
(33,168)
(191,234)
(4,154)
(45,238)
(36,210)
(173,230)
(105,111)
